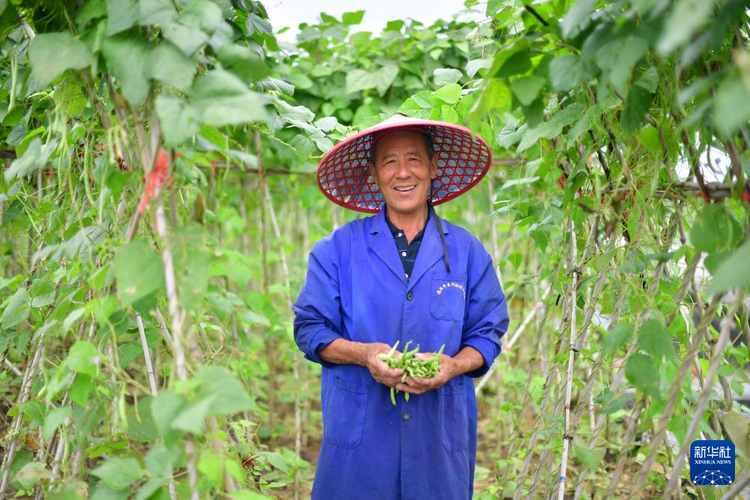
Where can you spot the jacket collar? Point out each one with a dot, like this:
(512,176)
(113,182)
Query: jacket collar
(382,244)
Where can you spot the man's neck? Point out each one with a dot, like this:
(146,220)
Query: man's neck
(411,223)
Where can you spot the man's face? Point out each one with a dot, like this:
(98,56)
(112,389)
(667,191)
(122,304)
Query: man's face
(403,171)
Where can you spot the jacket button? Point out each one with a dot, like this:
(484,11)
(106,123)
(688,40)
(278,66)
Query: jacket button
(406,416)
(409,296)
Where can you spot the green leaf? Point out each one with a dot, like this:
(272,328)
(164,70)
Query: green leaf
(32,473)
(685,19)
(139,272)
(569,71)
(298,113)
(551,128)
(590,458)
(80,389)
(327,124)
(352,18)
(277,460)
(517,63)
(358,79)
(251,318)
(50,54)
(276,85)
(248,495)
(83,358)
(55,419)
(619,57)
(526,89)
(449,94)
(164,409)
(256,24)
(160,461)
(715,229)
(637,105)
(167,64)
(188,39)
(223,99)
(649,80)
(617,338)
(17,309)
(444,76)
(738,428)
(731,105)
(211,466)
(584,124)
(227,393)
(127,58)
(243,62)
(179,119)
(494,6)
(191,261)
(149,488)
(473,66)
(34,158)
(33,410)
(121,15)
(509,135)
(191,418)
(733,272)
(577,19)
(119,473)
(159,12)
(643,374)
(72,317)
(654,338)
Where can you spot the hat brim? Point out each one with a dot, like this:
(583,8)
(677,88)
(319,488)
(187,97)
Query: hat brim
(463,159)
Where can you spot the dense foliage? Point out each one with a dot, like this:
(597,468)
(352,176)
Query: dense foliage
(158,203)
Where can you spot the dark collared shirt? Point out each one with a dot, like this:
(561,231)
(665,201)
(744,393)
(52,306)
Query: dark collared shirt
(406,251)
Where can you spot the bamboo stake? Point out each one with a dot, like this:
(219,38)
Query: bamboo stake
(534,310)
(146,355)
(737,487)
(306,403)
(545,399)
(630,433)
(12,367)
(546,454)
(708,383)
(620,376)
(16,425)
(163,327)
(661,429)
(295,360)
(567,437)
(178,320)
(270,346)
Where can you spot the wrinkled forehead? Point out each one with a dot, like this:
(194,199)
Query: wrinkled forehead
(415,136)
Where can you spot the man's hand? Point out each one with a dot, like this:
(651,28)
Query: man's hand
(390,377)
(418,385)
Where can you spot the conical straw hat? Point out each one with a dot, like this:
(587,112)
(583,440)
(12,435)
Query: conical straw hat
(344,175)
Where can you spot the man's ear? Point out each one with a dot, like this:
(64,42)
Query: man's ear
(433,166)
(372,173)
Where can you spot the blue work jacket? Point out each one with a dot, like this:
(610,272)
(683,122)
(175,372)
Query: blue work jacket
(356,289)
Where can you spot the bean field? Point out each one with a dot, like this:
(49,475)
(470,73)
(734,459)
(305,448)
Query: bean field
(159,203)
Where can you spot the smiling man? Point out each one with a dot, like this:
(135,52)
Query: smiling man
(403,275)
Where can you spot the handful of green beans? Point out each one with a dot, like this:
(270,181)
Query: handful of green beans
(412,366)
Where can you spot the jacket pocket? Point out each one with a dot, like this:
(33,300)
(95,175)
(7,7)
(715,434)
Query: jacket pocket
(448,299)
(454,418)
(344,416)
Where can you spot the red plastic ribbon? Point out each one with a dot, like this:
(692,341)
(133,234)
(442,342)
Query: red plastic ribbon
(155,180)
